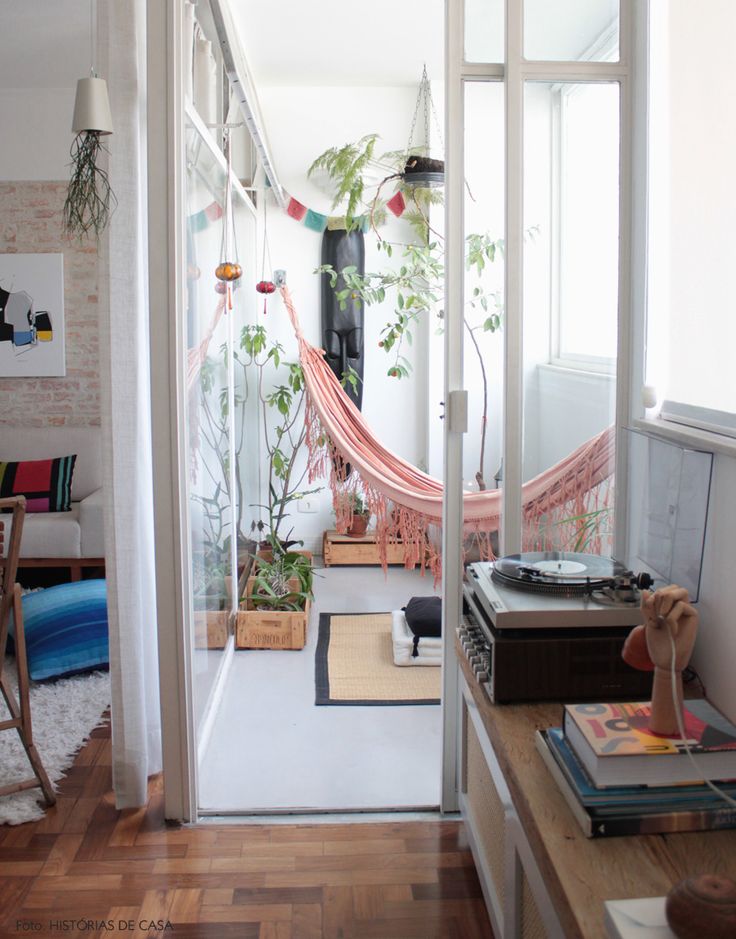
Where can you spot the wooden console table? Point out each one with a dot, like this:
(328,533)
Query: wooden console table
(342,549)
(541,876)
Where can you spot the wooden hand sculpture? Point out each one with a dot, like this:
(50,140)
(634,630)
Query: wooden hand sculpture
(668,618)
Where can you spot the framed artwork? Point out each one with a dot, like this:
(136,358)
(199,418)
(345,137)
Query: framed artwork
(32,315)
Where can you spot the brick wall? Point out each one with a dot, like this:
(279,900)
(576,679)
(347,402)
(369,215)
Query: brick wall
(30,223)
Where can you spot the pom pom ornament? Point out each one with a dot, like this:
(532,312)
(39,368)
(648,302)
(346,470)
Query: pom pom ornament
(265,287)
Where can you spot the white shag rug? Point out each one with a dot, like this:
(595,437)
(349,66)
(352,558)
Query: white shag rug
(64,713)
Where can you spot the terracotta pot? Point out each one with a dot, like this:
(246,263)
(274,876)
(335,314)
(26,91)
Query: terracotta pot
(359,526)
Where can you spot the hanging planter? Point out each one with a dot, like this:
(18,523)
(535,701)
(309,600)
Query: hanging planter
(265,287)
(90,200)
(422,172)
(228,271)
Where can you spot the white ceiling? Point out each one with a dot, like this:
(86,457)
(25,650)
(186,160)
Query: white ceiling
(44,43)
(341,42)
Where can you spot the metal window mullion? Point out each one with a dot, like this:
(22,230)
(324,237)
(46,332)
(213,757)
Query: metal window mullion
(573,71)
(482,71)
(452,514)
(514,284)
(631,30)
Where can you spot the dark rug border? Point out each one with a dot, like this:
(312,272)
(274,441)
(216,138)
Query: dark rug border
(322,677)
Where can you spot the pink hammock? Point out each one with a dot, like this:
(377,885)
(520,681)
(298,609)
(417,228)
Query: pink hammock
(407,503)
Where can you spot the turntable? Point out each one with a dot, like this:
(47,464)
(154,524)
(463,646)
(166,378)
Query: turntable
(556,589)
(550,626)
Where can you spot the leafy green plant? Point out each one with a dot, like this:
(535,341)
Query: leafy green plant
(281,583)
(357,504)
(583,530)
(346,167)
(284,431)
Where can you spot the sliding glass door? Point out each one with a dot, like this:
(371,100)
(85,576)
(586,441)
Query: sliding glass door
(538,116)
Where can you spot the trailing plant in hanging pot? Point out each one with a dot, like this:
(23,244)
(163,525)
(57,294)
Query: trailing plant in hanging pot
(90,200)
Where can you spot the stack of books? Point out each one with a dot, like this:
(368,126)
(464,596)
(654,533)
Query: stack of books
(620,779)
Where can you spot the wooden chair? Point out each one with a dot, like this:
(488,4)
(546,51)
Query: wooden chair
(20,711)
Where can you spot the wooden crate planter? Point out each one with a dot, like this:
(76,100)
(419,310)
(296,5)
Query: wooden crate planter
(342,549)
(210,629)
(267,555)
(270,629)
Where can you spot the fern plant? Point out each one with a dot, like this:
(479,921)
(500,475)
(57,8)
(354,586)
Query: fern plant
(346,167)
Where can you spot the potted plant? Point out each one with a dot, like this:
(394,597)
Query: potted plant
(360,516)
(274,610)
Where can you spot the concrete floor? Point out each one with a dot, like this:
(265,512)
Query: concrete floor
(272,749)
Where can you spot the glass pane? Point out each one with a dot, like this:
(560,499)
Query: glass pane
(588,217)
(571,30)
(692,142)
(484,30)
(484,282)
(570,290)
(210,327)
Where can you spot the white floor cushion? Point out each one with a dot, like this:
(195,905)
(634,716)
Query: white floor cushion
(430,650)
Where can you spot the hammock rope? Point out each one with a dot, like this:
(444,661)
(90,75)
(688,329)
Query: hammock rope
(407,503)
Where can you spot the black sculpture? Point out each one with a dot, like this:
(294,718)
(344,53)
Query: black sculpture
(342,330)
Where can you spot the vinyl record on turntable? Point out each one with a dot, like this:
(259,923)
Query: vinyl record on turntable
(556,572)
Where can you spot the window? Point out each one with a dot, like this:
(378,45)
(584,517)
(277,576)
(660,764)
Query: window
(585,219)
(691,324)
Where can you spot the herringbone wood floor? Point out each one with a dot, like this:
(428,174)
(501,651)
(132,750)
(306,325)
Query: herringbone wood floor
(89,870)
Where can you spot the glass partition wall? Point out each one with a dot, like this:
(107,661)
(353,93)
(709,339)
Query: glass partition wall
(546,117)
(222,469)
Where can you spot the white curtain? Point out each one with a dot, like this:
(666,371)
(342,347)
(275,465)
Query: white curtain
(126,419)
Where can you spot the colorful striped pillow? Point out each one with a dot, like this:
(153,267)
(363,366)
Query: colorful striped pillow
(46,484)
(66,629)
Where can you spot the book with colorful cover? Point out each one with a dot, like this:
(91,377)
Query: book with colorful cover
(638,798)
(596,822)
(615,746)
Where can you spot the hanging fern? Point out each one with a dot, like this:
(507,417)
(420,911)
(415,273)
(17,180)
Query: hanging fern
(345,166)
(90,201)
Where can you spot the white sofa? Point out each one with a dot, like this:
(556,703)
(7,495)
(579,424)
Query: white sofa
(74,539)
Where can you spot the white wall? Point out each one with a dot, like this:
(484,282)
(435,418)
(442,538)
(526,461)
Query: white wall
(715,649)
(37,133)
(302,122)
(692,170)
(700,156)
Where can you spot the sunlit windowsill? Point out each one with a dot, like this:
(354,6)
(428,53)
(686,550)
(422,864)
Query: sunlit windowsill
(689,436)
(566,367)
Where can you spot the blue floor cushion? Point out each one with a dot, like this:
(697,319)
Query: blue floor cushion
(66,629)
